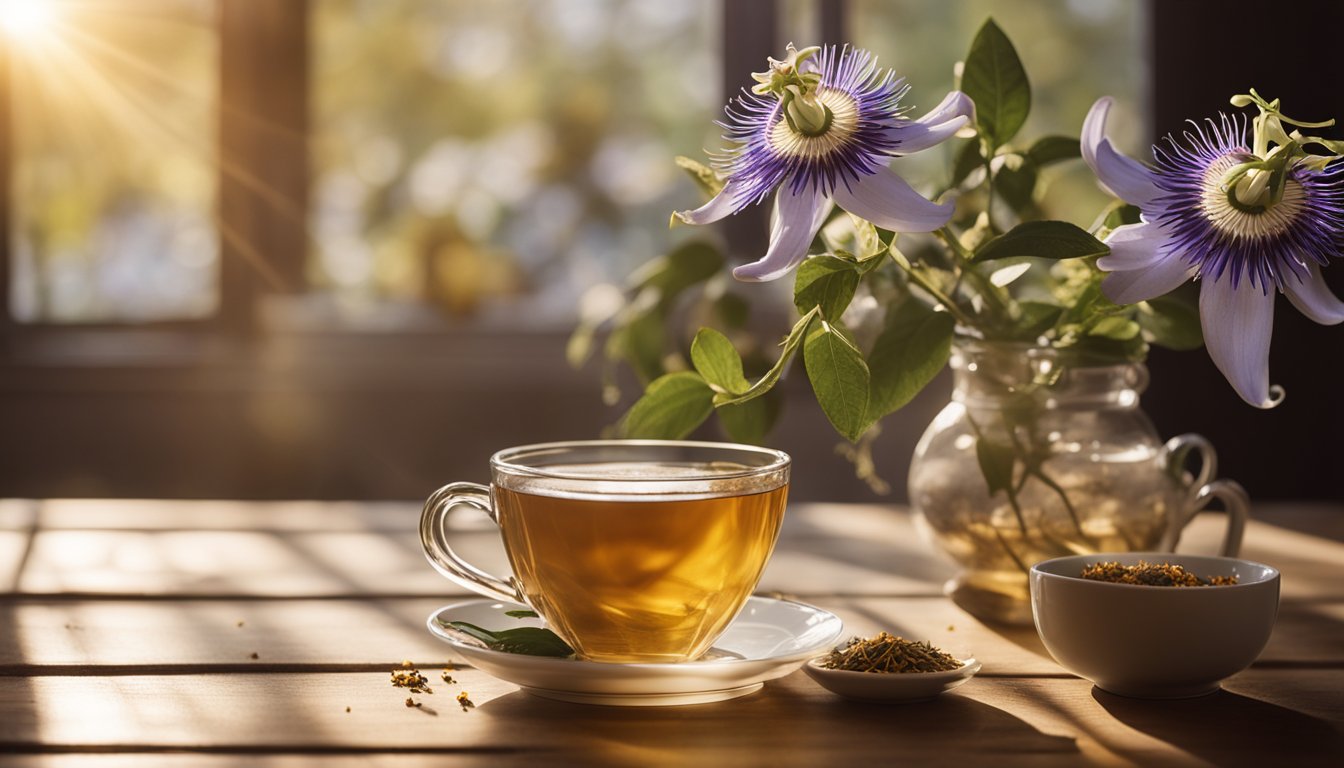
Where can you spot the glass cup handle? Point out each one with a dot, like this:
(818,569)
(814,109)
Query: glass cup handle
(1201,490)
(434,537)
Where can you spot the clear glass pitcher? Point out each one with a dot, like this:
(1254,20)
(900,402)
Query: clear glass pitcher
(1040,455)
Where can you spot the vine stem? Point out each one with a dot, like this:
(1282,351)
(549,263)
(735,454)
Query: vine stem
(1033,469)
(991,293)
(942,298)
(1013,503)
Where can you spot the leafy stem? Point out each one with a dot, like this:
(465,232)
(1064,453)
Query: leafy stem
(993,295)
(942,298)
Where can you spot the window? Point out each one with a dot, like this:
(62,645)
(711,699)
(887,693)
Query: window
(486,156)
(113,176)
(331,248)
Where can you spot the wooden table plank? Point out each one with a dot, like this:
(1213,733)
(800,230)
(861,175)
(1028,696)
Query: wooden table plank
(1059,721)
(13,547)
(66,636)
(869,550)
(176,515)
(815,555)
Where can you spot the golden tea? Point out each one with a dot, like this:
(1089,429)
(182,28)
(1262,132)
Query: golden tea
(639,576)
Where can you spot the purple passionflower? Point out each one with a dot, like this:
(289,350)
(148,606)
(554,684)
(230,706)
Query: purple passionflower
(822,132)
(1245,221)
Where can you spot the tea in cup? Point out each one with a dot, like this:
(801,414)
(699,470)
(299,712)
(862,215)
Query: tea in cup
(632,550)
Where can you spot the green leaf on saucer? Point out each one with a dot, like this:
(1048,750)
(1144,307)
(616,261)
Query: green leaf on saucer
(529,641)
(522,614)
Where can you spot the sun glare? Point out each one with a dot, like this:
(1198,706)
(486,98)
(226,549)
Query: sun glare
(27,20)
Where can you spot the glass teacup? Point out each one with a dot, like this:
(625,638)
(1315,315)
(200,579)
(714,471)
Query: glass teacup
(632,550)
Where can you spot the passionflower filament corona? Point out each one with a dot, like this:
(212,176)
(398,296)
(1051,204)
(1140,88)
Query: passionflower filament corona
(822,132)
(1239,206)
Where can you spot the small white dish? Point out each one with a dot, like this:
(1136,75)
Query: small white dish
(768,639)
(889,686)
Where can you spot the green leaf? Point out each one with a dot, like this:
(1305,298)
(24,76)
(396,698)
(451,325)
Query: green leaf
(827,282)
(1043,240)
(1054,149)
(523,614)
(703,176)
(839,378)
(1121,214)
(670,409)
(1172,321)
(1037,317)
(907,355)
(639,341)
(679,269)
(1114,327)
(853,234)
(771,377)
(994,79)
(1017,186)
(714,357)
(751,421)
(529,641)
(967,161)
(996,464)
(732,310)
(580,345)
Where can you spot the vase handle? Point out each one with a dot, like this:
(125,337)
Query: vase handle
(1202,489)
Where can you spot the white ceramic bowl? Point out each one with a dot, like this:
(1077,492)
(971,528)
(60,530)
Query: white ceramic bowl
(909,686)
(1154,642)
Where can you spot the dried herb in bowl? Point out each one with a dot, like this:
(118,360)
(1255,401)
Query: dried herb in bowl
(1151,575)
(887,653)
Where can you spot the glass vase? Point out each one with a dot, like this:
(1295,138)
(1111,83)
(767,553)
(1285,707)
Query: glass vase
(1041,455)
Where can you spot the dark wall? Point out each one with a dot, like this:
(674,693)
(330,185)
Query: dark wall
(1204,51)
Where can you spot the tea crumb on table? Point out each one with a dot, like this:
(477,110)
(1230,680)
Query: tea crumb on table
(411,679)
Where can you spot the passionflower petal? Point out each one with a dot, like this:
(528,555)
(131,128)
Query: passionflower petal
(822,131)
(1243,217)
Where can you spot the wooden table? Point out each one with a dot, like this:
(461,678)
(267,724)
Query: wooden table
(145,633)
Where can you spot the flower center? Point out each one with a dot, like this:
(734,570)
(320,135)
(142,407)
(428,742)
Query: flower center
(1254,215)
(842,113)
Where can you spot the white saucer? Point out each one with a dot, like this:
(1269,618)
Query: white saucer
(768,639)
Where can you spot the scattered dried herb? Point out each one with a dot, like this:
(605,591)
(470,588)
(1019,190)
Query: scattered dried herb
(256,655)
(1152,575)
(411,702)
(447,678)
(464,699)
(888,653)
(411,680)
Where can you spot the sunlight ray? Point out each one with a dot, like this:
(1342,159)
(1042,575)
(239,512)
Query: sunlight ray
(140,118)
